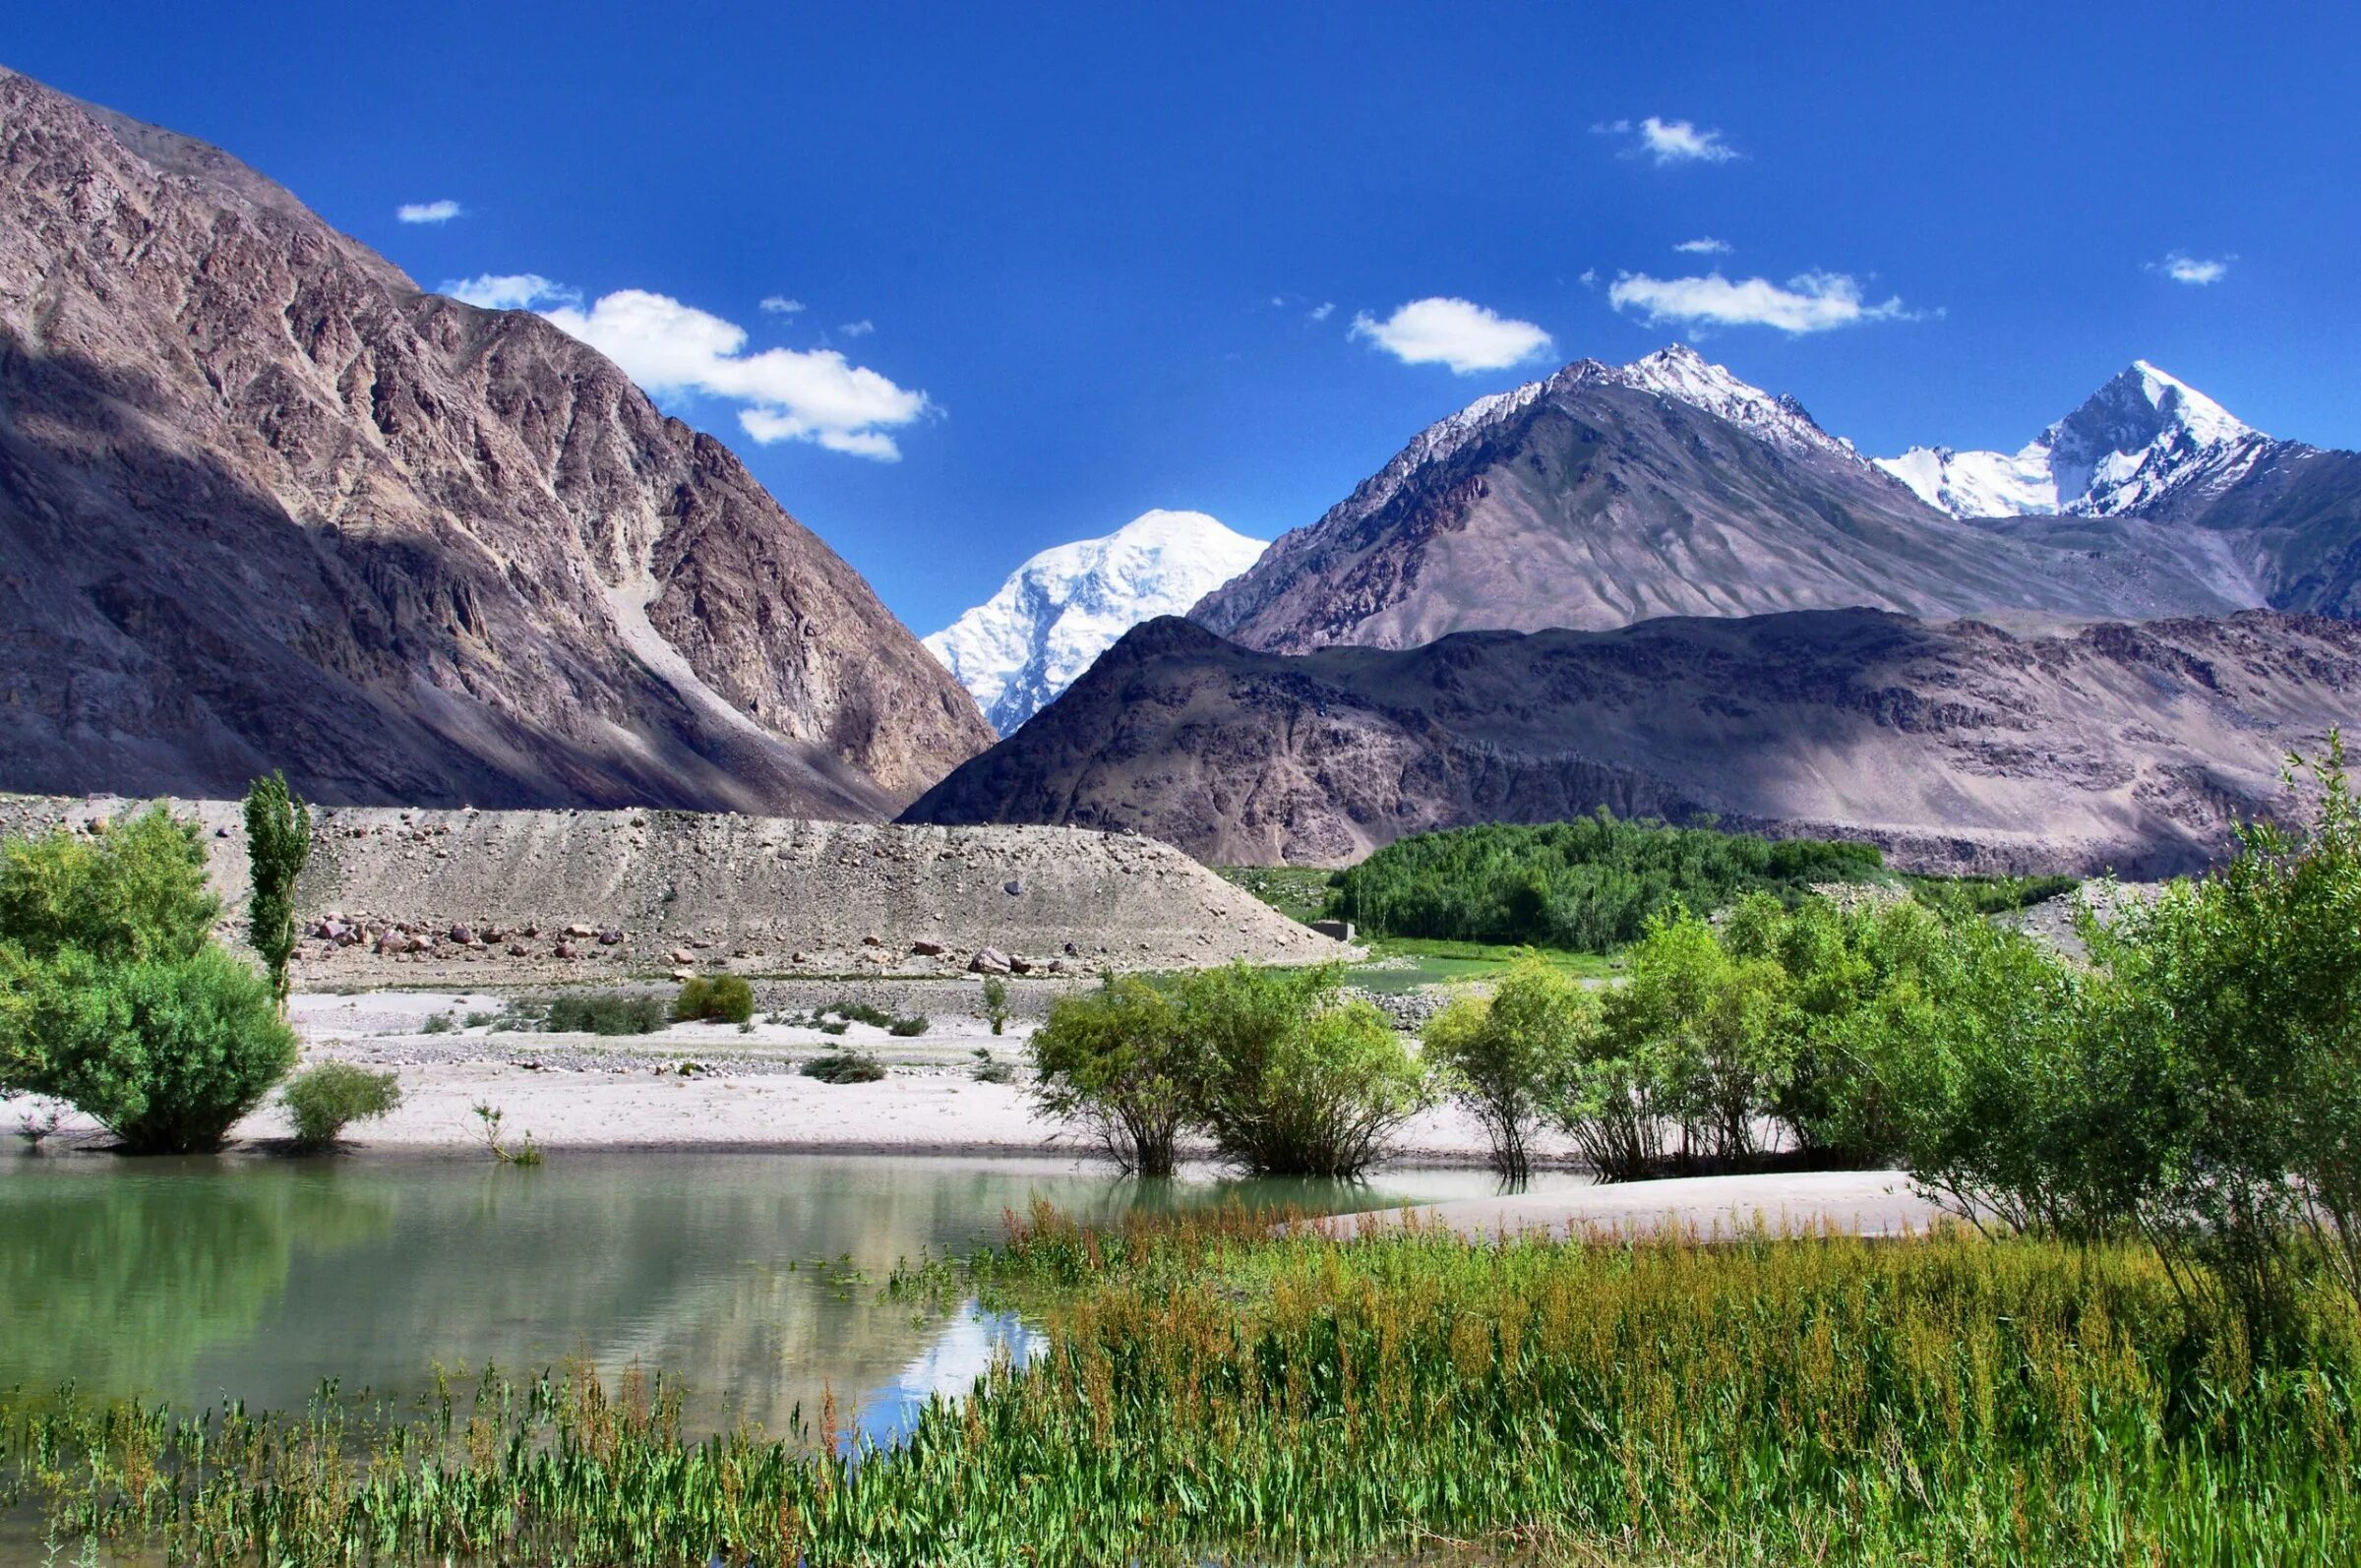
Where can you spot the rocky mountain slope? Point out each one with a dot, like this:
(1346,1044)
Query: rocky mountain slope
(1608,495)
(264,503)
(1958,747)
(1067,605)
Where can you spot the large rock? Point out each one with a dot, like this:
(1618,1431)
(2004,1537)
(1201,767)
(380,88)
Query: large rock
(265,502)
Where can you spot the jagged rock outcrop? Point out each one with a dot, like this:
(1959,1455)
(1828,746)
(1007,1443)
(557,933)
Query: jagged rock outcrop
(1958,747)
(264,503)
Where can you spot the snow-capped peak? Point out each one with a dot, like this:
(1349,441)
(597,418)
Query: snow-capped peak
(1067,605)
(1680,373)
(2142,436)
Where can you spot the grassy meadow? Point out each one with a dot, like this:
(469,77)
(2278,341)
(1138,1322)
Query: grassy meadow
(1216,1392)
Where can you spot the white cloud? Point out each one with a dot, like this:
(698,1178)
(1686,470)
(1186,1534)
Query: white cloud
(1670,140)
(1452,332)
(1809,302)
(1707,246)
(781,305)
(1323,310)
(788,394)
(859,328)
(442,211)
(510,291)
(1588,277)
(2182,267)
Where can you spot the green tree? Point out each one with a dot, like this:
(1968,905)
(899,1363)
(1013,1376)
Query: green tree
(1508,1056)
(279,843)
(1714,1028)
(1293,1079)
(324,1100)
(114,998)
(995,1002)
(1115,1059)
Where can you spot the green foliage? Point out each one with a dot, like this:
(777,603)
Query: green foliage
(489,1118)
(1509,1057)
(995,1002)
(441,1023)
(907,1028)
(1118,1061)
(1590,885)
(2219,1088)
(721,999)
(167,1053)
(1989,895)
(326,1098)
(137,891)
(603,1012)
(278,842)
(1300,892)
(844,1066)
(1293,1079)
(1214,1393)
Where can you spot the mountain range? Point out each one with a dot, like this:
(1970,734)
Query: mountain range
(1659,589)
(1066,606)
(265,502)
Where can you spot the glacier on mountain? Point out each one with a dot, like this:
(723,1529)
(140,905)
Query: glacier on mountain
(1066,606)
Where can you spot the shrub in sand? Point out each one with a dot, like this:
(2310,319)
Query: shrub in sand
(330,1097)
(719,998)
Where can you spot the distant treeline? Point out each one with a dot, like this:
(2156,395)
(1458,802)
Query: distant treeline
(1588,885)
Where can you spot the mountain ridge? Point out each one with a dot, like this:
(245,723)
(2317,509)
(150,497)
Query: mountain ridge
(265,502)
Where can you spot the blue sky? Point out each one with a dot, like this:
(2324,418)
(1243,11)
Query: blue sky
(1074,258)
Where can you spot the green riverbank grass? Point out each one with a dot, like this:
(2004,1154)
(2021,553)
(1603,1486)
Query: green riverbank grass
(1213,1392)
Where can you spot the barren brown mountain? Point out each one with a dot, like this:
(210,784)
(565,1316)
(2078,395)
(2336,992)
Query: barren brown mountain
(265,502)
(1958,747)
(1606,495)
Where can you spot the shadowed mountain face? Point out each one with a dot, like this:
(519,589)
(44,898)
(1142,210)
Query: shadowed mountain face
(1958,747)
(265,504)
(1605,495)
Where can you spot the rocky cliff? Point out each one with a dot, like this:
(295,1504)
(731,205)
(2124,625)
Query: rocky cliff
(264,503)
(1958,747)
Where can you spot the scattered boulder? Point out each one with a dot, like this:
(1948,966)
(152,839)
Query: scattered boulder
(680,955)
(579,931)
(610,937)
(1012,888)
(990,961)
(564,950)
(927,950)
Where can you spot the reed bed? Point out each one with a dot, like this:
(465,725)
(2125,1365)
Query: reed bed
(1217,1392)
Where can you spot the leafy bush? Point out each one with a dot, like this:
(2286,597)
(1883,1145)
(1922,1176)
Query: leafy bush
(441,1023)
(1510,1057)
(722,999)
(907,1028)
(166,1052)
(995,1002)
(1292,1081)
(113,997)
(1990,896)
(1117,1061)
(844,1066)
(135,892)
(1588,885)
(326,1098)
(603,1012)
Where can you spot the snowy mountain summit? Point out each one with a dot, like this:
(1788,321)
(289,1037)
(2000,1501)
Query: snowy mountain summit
(2140,439)
(1067,605)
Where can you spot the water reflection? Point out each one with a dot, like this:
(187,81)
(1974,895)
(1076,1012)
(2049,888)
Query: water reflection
(951,1364)
(753,1277)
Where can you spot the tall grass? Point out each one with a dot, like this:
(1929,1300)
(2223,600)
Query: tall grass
(1216,1392)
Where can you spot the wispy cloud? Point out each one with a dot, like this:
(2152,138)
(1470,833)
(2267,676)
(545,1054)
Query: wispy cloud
(1323,310)
(859,328)
(1456,332)
(442,211)
(2182,267)
(781,305)
(1809,302)
(1703,246)
(510,292)
(1670,140)
(786,394)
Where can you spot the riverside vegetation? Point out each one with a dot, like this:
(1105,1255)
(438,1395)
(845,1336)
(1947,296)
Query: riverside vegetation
(1213,1391)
